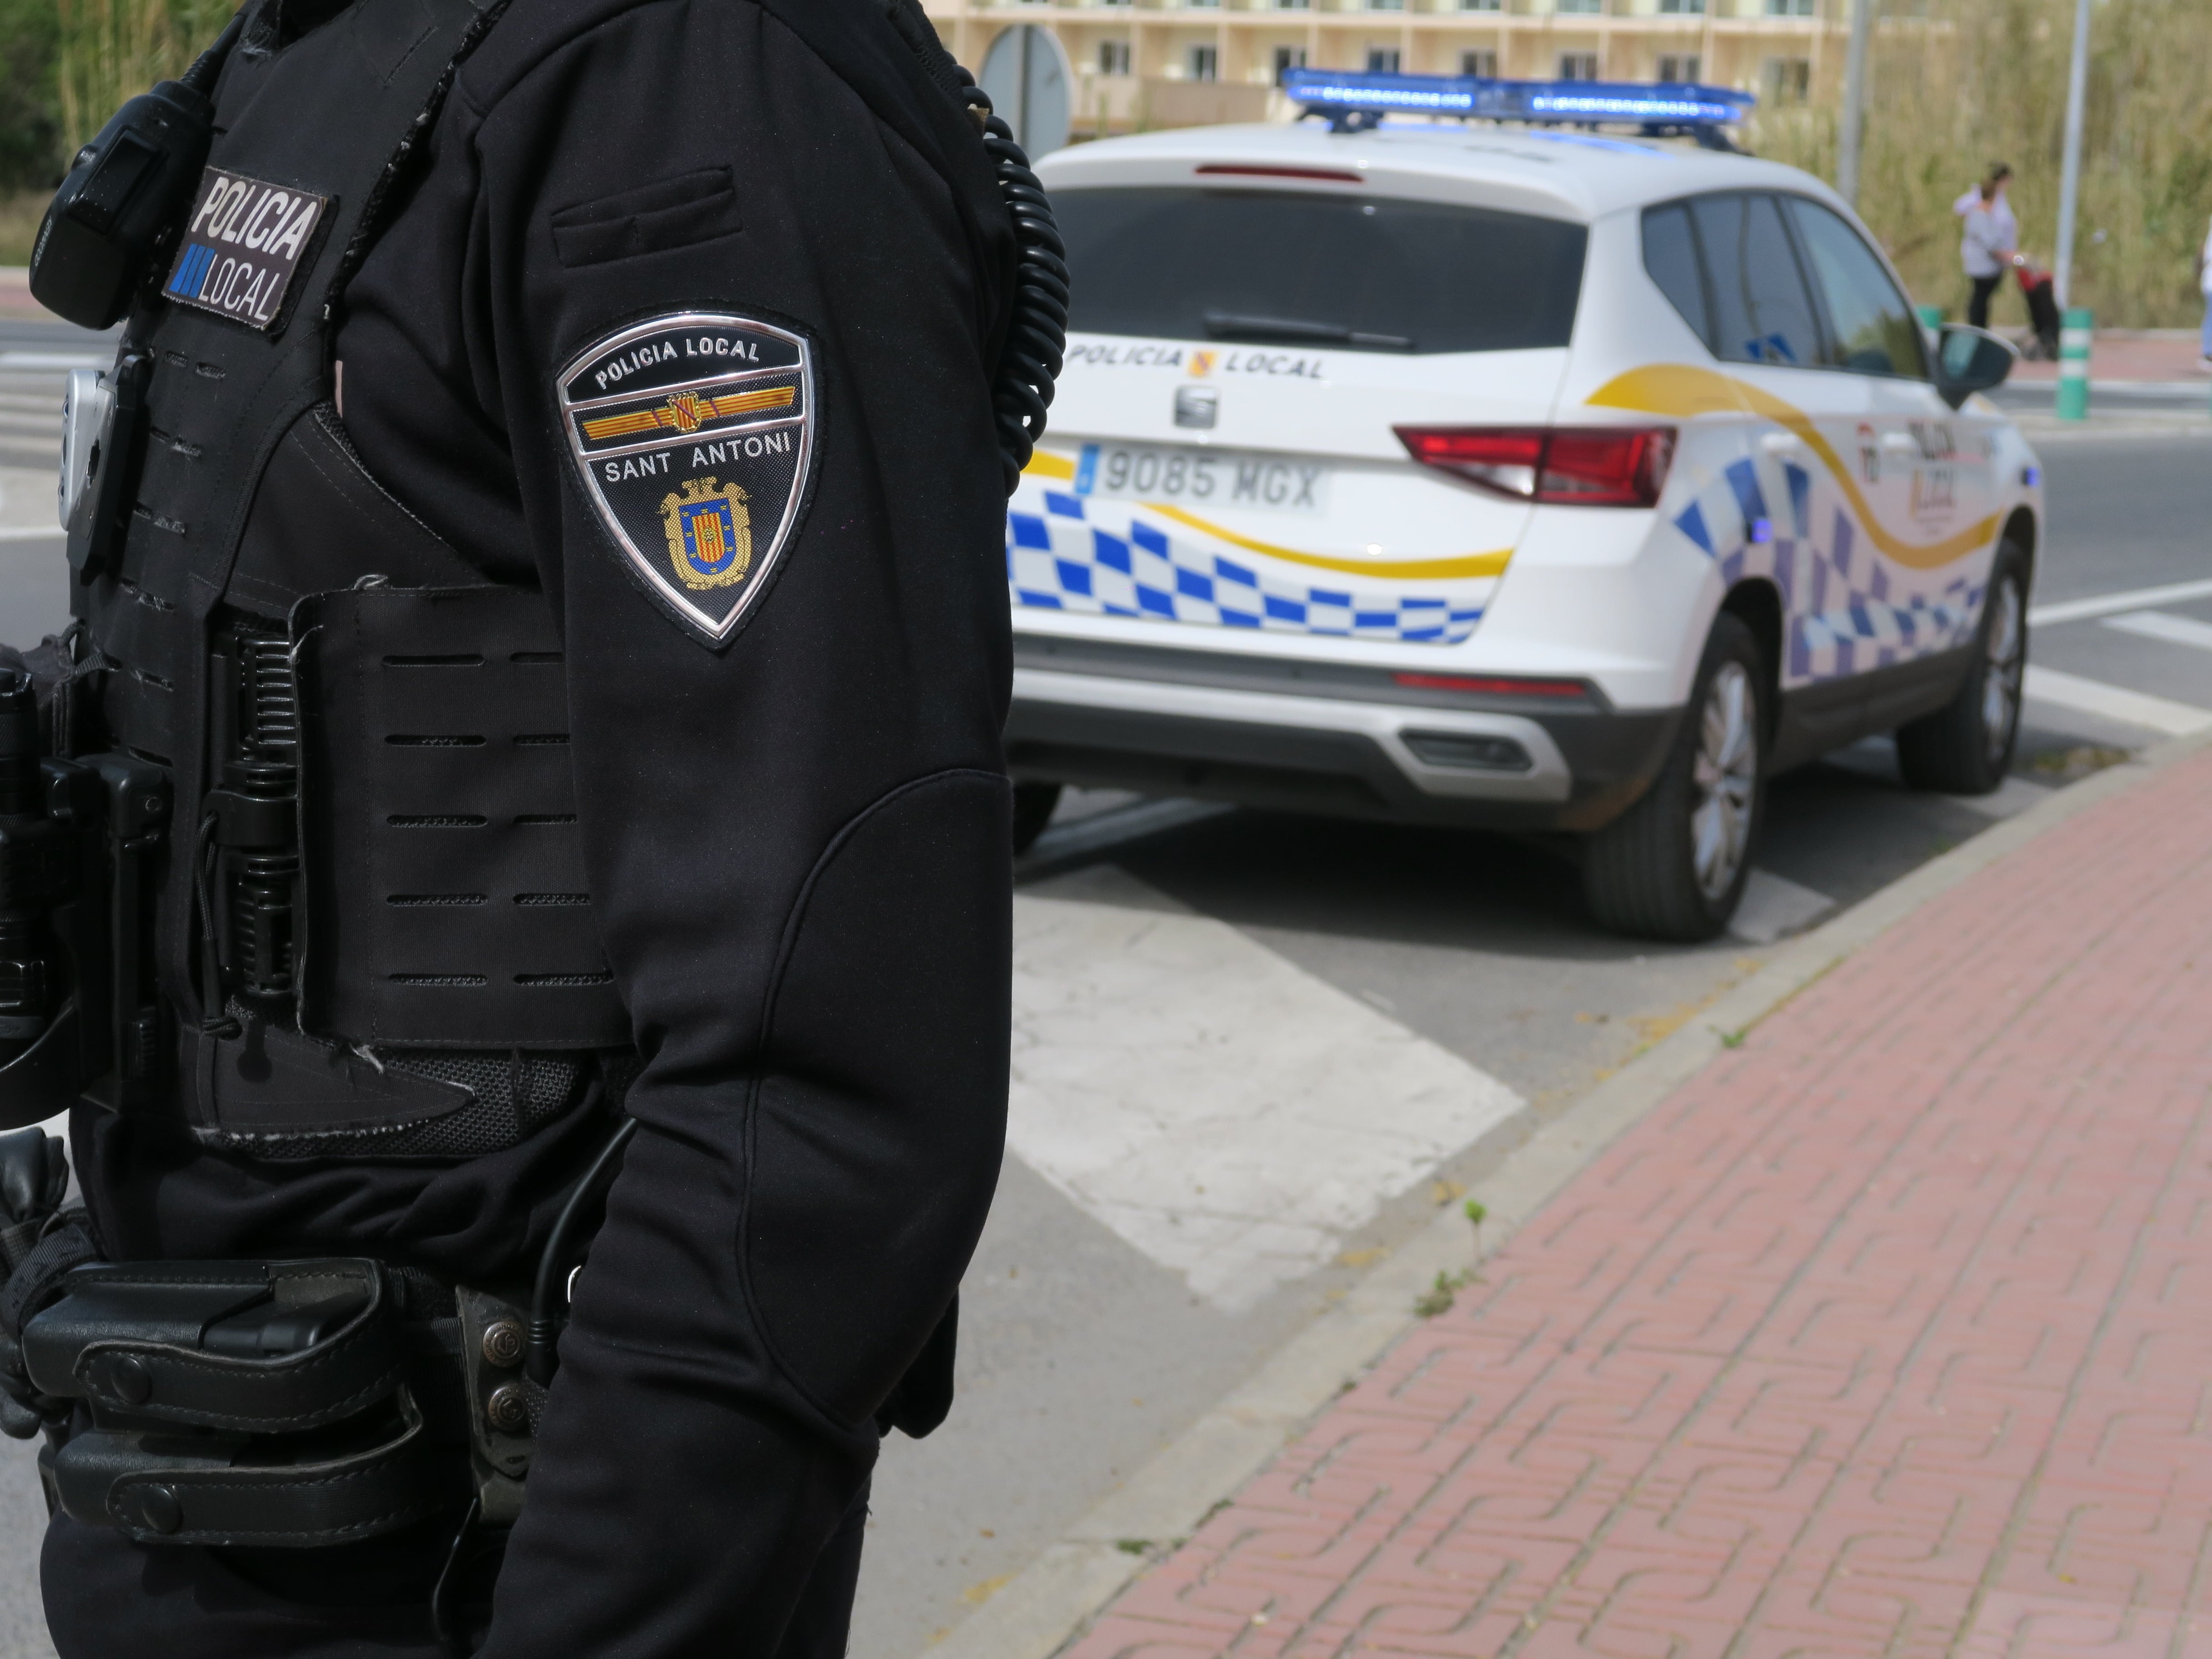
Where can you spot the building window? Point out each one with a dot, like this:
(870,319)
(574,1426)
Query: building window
(1204,63)
(1674,67)
(1386,5)
(1292,5)
(1790,8)
(1481,5)
(1202,5)
(1578,66)
(1381,60)
(1578,6)
(1113,57)
(1287,59)
(1788,79)
(1483,65)
(1695,8)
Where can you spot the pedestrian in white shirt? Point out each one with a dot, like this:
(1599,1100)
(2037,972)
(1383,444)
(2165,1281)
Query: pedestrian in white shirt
(2204,284)
(1991,234)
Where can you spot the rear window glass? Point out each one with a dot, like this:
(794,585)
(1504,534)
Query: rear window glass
(1277,267)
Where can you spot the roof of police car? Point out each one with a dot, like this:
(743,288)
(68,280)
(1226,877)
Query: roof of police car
(1561,172)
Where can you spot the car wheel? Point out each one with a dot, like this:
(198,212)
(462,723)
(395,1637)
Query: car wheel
(1965,747)
(1033,809)
(1673,866)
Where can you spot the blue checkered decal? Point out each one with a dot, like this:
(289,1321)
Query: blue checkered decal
(1848,612)
(1062,560)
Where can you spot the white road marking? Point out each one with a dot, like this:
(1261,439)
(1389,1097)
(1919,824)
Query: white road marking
(1772,906)
(2164,625)
(53,360)
(29,533)
(2108,604)
(1221,1110)
(2111,702)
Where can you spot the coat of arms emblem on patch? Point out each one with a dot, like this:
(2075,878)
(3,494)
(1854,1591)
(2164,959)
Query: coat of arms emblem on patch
(710,536)
(694,436)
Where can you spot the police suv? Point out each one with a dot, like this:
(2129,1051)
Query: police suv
(1530,475)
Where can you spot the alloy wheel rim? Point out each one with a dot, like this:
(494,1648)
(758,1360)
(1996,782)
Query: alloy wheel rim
(1726,776)
(2007,654)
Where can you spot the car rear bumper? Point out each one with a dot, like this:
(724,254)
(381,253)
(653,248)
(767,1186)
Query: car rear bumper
(1345,742)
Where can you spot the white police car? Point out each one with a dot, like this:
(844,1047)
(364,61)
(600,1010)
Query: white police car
(1521,477)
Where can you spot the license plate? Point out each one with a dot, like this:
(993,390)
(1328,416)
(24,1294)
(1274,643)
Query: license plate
(1201,477)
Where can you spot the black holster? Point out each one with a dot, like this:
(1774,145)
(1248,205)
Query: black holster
(285,1403)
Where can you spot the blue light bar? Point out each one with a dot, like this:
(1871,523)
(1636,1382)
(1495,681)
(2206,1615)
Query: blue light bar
(1353,101)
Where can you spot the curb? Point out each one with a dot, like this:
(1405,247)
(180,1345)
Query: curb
(1050,1601)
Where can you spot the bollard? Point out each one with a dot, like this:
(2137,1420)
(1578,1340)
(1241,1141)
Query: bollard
(2074,364)
(1931,317)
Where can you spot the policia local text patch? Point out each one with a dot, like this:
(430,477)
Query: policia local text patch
(694,434)
(242,244)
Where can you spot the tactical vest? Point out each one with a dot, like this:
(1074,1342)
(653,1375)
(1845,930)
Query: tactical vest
(374,935)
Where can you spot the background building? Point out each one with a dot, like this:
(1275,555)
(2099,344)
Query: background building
(1142,63)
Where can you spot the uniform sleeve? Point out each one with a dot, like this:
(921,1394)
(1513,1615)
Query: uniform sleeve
(797,833)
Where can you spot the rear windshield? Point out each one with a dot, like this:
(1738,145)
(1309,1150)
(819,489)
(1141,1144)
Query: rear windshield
(1286,268)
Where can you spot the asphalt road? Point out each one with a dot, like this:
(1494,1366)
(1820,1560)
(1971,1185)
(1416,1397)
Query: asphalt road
(1145,1256)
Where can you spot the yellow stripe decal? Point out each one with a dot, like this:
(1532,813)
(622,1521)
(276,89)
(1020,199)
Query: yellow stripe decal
(1682,390)
(1470,564)
(1060,467)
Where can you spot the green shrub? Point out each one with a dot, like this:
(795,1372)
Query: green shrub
(1966,83)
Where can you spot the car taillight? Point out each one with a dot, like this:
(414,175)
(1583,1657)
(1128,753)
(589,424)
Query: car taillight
(1571,465)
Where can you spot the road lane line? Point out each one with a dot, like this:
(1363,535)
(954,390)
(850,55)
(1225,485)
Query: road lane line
(2107,604)
(54,360)
(30,533)
(2164,625)
(2133,707)
(1221,1110)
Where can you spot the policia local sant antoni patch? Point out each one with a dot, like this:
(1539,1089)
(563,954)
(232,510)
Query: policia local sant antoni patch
(522,789)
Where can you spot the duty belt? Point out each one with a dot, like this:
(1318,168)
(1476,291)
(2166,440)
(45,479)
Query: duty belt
(290,1403)
(286,1403)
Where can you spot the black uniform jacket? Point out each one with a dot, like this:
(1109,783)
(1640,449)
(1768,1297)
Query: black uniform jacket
(797,841)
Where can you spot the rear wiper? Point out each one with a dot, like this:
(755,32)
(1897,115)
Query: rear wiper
(1239,325)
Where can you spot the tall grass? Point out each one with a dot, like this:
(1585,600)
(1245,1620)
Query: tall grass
(1967,83)
(107,49)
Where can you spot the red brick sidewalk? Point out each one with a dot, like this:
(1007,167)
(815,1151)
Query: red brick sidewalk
(1890,1334)
(2167,356)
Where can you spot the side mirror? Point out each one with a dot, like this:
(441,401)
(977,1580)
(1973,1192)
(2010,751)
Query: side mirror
(1970,359)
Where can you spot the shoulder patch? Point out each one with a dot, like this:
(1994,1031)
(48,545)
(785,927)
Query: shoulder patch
(694,434)
(243,243)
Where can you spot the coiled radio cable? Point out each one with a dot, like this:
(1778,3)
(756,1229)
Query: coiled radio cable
(1036,338)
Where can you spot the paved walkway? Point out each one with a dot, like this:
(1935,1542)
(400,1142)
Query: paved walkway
(1890,1334)
(2163,354)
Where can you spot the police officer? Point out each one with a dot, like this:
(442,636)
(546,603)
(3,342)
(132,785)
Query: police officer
(570,486)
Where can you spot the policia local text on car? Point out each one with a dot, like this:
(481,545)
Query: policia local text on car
(525,773)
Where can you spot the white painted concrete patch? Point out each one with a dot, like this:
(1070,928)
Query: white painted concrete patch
(1221,1110)
(1773,906)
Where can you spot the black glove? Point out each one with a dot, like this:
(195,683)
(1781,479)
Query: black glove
(34,1176)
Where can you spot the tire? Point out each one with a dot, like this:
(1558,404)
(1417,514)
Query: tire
(1673,866)
(1965,747)
(1033,809)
